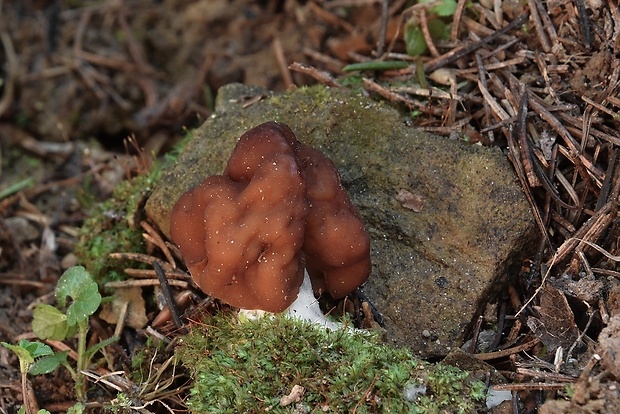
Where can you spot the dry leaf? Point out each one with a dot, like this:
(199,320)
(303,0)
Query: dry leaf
(295,396)
(136,311)
(556,325)
(443,76)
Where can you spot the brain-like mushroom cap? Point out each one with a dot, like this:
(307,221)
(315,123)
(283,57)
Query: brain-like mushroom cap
(244,234)
(242,243)
(256,146)
(336,246)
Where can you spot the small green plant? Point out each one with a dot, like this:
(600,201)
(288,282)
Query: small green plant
(569,391)
(27,352)
(22,410)
(415,43)
(53,323)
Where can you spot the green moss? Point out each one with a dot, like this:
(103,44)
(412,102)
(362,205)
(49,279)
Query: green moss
(25,164)
(250,366)
(114,225)
(171,156)
(450,384)
(113,228)
(353,82)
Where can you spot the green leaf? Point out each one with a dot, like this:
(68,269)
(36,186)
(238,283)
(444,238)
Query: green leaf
(414,40)
(376,65)
(36,349)
(445,8)
(437,29)
(100,345)
(78,284)
(415,43)
(18,186)
(49,323)
(22,353)
(48,363)
(76,409)
(28,351)
(22,410)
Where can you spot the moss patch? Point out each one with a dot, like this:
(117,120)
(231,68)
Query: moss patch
(250,366)
(114,225)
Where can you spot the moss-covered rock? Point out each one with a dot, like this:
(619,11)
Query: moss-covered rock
(438,260)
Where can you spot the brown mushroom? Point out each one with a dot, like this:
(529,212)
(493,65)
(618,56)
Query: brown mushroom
(244,235)
(336,245)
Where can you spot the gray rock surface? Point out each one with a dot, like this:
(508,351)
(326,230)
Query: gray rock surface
(439,254)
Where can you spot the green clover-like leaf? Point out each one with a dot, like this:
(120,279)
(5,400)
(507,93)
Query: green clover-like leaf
(36,349)
(79,285)
(27,351)
(48,363)
(49,323)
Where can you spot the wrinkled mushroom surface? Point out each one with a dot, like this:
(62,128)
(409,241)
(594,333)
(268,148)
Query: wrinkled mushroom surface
(247,235)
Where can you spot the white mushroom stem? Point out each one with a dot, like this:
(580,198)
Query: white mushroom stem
(306,307)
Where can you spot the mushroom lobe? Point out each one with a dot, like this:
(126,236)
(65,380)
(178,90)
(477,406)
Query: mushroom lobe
(246,234)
